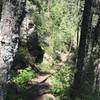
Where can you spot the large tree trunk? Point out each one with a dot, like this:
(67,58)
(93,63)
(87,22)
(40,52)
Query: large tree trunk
(83,48)
(0,8)
(87,54)
(97,62)
(13,12)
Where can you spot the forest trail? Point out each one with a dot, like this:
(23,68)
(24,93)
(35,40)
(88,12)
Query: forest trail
(41,86)
(40,78)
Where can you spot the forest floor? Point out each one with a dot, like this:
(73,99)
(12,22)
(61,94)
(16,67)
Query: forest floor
(41,85)
(37,89)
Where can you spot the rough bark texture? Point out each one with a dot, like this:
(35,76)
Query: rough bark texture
(28,25)
(88,47)
(97,62)
(83,48)
(0,8)
(13,12)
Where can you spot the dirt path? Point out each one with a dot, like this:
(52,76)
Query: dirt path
(40,88)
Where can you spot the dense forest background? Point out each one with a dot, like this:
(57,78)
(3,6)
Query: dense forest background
(58,49)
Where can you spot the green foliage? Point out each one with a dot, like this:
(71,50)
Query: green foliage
(20,78)
(45,66)
(61,81)
(23,76)
(59,18)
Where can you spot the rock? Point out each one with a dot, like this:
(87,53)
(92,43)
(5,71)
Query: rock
(45,39)
(25,29)
(47,97)
(30,6)
(28,26)
(39,79)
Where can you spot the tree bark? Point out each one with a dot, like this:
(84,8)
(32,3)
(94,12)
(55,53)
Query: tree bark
(83,48)
(13,12)
(97,52)
(0,8)
(88,54)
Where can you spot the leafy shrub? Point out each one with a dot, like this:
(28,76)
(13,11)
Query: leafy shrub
(61,81)
(23,76)
(45,66)
(59,19)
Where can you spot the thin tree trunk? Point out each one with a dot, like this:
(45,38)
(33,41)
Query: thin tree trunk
(0,8)
(13,12)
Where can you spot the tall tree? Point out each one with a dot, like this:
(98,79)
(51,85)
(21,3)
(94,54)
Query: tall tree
(97,52)
(0,8)
(13,12)
(83,48)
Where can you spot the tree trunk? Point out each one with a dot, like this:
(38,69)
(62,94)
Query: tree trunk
(13,12)
(88,54)
(83,48)
(97,52)
(0,8)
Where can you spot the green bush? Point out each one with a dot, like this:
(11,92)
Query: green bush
(59,20)
(61,81)
(23,76)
